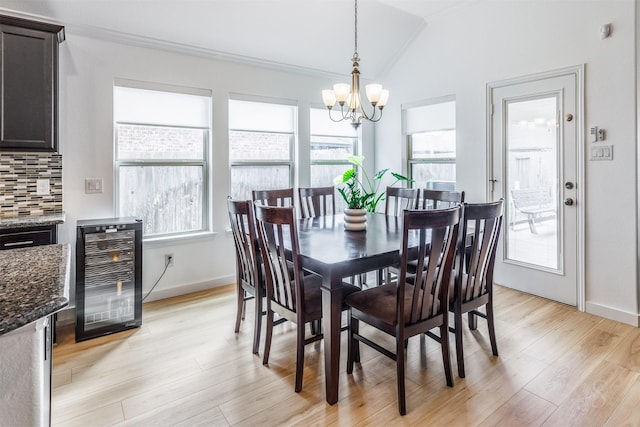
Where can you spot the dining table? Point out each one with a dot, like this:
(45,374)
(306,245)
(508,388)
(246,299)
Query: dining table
(327,249)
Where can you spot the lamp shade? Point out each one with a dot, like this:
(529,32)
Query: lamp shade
(384,97)
(329,98)
(374,91)
(341,91)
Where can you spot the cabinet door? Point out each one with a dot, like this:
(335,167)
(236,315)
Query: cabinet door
(26,237)
(28,61)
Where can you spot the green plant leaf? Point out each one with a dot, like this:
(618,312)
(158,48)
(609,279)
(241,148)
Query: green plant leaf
(401,177)
(380,174)
(356,160)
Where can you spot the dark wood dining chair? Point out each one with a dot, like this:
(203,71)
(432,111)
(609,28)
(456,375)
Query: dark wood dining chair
(316,201)
(403,309)
(296,298)
(433,199)
(249,275)
(472,286)
(279,197)
(398,199)
(438,199)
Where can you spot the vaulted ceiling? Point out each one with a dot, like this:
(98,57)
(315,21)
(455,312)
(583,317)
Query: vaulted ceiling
(308,35)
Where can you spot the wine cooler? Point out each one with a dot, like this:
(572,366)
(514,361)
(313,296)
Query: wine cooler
(108,276)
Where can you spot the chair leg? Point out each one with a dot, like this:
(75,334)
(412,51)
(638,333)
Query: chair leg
(353,347)
(400,360)
(315,327)
(491,325)
(257,323)
(473,320)
(267,338)
(459,349)
(240,308)
(299,356)
(446,357)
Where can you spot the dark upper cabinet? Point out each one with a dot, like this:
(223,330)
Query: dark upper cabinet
(28,84)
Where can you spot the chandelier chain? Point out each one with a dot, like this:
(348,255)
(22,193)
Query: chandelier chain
(355,49)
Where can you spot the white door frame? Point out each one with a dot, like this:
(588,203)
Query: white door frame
(578,72)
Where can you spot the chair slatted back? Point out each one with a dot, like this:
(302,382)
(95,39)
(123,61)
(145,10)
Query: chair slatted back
(317,201)
(245,239)
(277,225)
(484,220)
(439,199)
(436,234)
(280,197)
(397,199)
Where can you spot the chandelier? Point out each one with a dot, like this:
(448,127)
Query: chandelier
(348,96)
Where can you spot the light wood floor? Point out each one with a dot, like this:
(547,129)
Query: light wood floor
(185,366)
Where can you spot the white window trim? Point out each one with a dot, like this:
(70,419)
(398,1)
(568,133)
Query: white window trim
(407,159)
(206,161)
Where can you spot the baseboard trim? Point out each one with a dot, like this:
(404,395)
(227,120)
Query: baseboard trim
(159,294)
(632,319)
(68,315)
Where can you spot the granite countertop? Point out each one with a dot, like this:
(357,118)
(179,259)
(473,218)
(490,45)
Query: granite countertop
(31,221)
(34,283)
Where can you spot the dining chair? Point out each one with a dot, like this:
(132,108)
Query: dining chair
(438,199)
(296,298)
(398,199)
(432,199)
(317,201)
(279,197)
(403,309)
(472,285)
(249,275)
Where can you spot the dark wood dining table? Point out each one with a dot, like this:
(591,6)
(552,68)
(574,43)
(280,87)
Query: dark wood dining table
(330,251)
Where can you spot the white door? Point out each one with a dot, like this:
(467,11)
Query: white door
(534,133)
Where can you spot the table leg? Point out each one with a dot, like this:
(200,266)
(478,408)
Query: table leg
(331,322)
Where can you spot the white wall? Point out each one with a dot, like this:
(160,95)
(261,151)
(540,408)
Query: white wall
(458,54)
(88,67)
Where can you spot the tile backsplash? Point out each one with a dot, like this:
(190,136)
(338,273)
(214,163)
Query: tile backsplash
(19,173)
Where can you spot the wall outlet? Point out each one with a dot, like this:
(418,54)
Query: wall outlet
(42,187)
(168,260)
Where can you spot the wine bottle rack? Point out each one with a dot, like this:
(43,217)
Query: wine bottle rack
(108,276)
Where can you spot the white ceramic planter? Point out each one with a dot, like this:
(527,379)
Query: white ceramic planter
(355,219)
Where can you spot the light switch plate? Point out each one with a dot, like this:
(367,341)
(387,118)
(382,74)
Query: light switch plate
(601,152)
(42,187)
(93,185)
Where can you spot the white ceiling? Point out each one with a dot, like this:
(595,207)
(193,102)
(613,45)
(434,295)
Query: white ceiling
(309,35)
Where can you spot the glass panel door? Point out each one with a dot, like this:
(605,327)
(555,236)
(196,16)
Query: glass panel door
(532,154)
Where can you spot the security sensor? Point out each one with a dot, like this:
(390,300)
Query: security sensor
(605,31)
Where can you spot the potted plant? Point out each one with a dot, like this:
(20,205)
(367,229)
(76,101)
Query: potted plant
(361,195)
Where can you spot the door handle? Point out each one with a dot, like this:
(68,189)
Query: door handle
(568,201)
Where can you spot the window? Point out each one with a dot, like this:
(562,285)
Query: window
(431,138)
(161,151)
(261,144)
(331,144)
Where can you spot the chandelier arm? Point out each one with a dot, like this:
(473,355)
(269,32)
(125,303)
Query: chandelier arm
(343,115)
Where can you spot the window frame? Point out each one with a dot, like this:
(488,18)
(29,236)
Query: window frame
(411,162)
(355,146)
(265,162)
(204,162)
